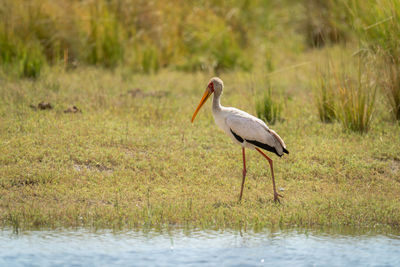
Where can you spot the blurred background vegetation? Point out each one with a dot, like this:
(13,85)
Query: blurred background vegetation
(212,36)
(186,35)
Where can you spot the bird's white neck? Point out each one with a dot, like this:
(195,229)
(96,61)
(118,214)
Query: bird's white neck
(216,105)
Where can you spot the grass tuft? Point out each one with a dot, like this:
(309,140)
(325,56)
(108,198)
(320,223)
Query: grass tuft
(31,62)
(27,60)
(268,109)
(150,60)
(356,101)
(325,99)
(392,89)
(378,26)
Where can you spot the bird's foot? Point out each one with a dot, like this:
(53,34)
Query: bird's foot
(276,197)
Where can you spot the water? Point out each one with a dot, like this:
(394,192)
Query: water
(193,248)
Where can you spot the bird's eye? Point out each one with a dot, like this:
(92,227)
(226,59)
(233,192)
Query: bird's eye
(211,86)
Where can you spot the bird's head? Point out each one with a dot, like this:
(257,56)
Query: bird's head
(215,85)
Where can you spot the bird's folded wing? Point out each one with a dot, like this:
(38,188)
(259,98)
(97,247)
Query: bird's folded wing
(251,129)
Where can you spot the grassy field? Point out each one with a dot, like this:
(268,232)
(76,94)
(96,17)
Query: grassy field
(131,157)
(326,73)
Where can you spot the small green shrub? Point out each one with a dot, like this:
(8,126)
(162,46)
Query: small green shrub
(268,109)
(211,45)
(227,55)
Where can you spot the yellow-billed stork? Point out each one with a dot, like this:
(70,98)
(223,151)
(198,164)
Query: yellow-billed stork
(244,129)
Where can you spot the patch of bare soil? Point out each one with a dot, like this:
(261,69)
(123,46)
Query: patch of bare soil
(92,167)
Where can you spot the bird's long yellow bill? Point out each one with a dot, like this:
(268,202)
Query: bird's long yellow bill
(203,100)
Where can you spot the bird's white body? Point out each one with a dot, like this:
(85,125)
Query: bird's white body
(246,126)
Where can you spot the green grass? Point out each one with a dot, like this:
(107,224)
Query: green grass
(325,99)
(267,108)
(358,97)
(377,24)
(391,88)
(104,41)
(138,161)
(351,97)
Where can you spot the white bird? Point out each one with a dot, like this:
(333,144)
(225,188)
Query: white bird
(244,129)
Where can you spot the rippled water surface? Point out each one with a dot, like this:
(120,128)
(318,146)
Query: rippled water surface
(180,247)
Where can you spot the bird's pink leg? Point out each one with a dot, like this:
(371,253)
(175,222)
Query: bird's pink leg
(276,195)
(244,173)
